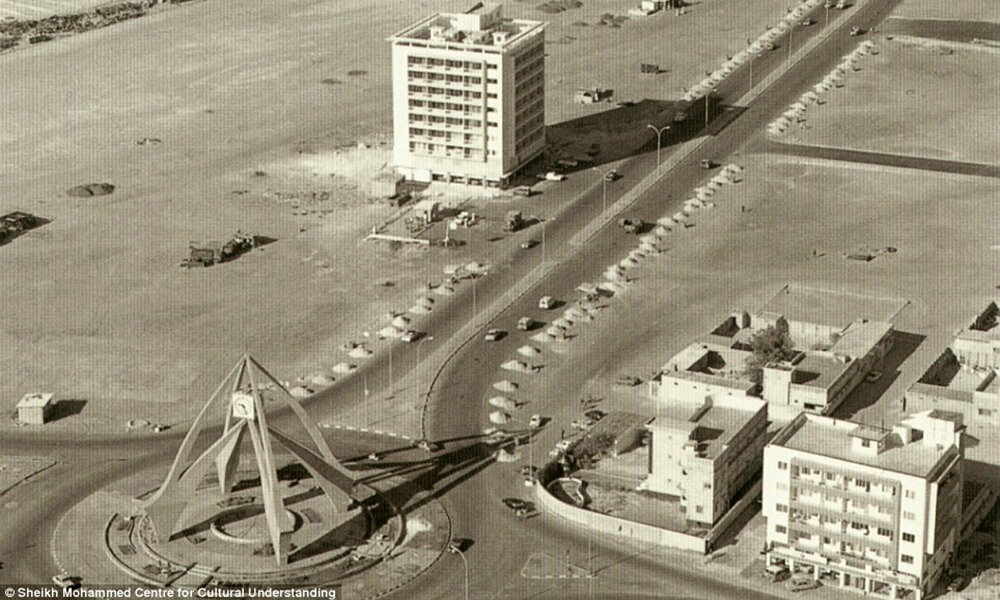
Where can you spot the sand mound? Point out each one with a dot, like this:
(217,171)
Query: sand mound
(90,189)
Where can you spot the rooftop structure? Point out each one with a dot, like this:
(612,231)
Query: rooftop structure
(866,508)
(468,97)
(706,452)
(35,408)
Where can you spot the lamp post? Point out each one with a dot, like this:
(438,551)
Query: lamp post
(429,337)
(790,32)
(604,188)
(456,550)
(531,457)
(707,96)
(659,131)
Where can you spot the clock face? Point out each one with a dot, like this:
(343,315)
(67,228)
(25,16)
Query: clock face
(243,406)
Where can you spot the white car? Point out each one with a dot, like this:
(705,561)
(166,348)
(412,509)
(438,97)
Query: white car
(410,336)
(535,421)
(554,176)
(546,302)
(564,445)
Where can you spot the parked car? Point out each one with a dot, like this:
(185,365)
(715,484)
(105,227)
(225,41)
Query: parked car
(612,175)
(801,583)
(776,573)
(528,470)
(546,303)
(707,163)
(493,335)
(66,582)
(842,4)
(554,176)
(957,584)
(856,30)
(525,323)
(631,225)
(529,244)
(594,414)
(627,381)
(514,503)
(564,445)
(535,421)
(807,22)
(410,336)
(523,190)
(873,376)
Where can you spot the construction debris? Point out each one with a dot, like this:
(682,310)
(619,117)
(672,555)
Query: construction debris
(15,223)
(211,253)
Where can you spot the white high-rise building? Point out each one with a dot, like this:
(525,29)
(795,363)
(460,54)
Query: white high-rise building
(468,97)
(868,509)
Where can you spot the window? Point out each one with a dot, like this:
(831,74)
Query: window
(781,507)
(906,558)
(911,494)
(782,465)
(699,509)
(986,412)
(805,470)
(866,443)
(780,529)
(908,515)
(909,537)
(708,485)
(783,487)
(882,531)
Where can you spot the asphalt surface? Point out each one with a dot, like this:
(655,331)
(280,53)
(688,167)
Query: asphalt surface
(882,159)
(499,544)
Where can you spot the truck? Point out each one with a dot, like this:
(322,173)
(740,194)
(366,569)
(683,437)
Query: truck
(513,221)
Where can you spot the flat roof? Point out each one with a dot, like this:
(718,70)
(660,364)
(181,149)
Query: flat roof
(35,400)
(860,337)
(830,307)
(458,36)
(819,370)
(729,363)
(713,425)
(831,438)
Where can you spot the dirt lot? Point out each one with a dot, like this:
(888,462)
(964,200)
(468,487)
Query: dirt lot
(250,104)
(943,227)
(922,84)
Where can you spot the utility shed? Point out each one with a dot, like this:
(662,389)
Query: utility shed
(35,409)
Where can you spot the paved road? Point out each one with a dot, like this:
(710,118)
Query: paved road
(883,159)
(473,501)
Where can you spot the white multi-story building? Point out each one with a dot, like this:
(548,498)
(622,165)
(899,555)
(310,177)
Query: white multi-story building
(468,97)
(869,509)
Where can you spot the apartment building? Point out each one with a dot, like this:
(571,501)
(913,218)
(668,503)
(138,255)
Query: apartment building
(706,453)
(468,97)
(873,510)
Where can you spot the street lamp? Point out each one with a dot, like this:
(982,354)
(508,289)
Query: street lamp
(456,550)
(604,188)
(790,31)
(531,457)
(707,96)
(659,131)
(429,337)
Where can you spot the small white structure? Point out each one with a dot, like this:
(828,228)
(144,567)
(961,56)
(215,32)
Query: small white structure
(427,210)
(35,408)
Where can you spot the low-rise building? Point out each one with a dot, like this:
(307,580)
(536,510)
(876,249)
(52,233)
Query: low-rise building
(35,408)
(706,453)
(964,378)
(864,508)
(829,362)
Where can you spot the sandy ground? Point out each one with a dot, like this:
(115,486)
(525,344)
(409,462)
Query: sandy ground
(971,10)
(98,309)
(920,85)
(14,470)
(943,227)
(39,9)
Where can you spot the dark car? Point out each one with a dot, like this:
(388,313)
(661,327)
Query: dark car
(957,584)
(707,163)
(529,244)
(515,503)
(494,334)
(594,415)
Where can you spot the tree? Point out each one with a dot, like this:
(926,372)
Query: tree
(767,346)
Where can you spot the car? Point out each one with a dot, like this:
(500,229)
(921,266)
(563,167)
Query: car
(856,30)
(581,424)
(493,335)
(769,46)
(523,190)
(525,323)
(554,176)
(776,573)
(595,415)
(627,381)
(546,303)
(801,583)
(535,421)
(707,163)
(410,336)
(873,376)
(957,584)
(806,22)
(563,445)
(497,437)
(631,225)
(528,244)
(66,582)
(842,4)
(612,175)
(515,503)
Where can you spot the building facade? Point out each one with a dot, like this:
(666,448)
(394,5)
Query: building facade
(706,453)
(867,509)
(468,97)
